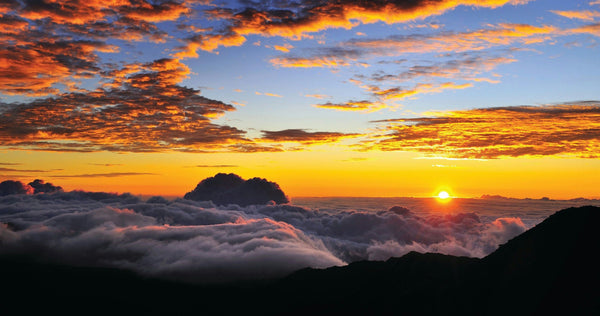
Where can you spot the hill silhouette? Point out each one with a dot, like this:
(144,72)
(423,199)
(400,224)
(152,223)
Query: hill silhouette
(551,268)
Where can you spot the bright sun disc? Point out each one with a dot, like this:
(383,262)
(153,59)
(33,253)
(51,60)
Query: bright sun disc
(443,195)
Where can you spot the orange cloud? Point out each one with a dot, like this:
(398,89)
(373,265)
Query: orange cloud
(298,62)
(361,106)
(318,96)
(37,58)
(143,110)
(585,15)
(565,130)
(344,14)
(268,94)
(592,29)
(283,48)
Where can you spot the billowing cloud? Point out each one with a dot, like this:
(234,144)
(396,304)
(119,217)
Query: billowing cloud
(10,187)
(52,43)
(224,189)
(198,242)
(142,109)
(40,186)
(299,20)
(571,129)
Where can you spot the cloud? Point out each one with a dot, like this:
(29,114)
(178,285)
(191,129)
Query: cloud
(40,186)
(141,109)
(464,67)
(363,106)
(342,54)
(268,94)
(399,93)
(283,48)
(50,43)
(318,96)
(564,130)
(224,189)
(592,29)
(301,19)
(585,15)
(317,61)
(215,166)
(304,137)
(106,164)
(21,170)
(198,242)
(105,175)
(10,187)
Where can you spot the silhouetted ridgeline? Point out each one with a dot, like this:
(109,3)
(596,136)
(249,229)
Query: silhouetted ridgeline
(552,268)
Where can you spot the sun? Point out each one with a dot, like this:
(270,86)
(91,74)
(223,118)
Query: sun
(443,195)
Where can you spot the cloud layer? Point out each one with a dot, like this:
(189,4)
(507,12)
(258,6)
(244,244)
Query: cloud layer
(571,129)
(199,242)
(301,19)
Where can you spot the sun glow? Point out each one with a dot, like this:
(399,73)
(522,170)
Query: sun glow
(443,195)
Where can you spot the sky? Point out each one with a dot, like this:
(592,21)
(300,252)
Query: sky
(326,98)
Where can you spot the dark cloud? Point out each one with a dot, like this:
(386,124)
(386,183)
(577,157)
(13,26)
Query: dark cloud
(9,187)
(39,186)
(571,129)
(224,189)
(302,136)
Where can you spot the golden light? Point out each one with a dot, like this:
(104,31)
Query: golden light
(443,195)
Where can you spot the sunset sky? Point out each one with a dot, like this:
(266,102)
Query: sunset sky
(326,98)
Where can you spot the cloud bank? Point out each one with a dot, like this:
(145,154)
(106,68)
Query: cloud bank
(571,130)
(199,242)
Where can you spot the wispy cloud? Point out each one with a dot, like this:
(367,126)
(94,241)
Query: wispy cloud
(585,15)
(345,53)
(357,106)
(214,166)
(105,175)
(24,170)
(304,137)
(268,94)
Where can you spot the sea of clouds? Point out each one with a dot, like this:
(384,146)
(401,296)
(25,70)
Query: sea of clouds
(200,242)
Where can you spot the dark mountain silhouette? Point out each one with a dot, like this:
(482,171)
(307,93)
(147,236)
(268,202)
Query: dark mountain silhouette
(224,189)
(551,269)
